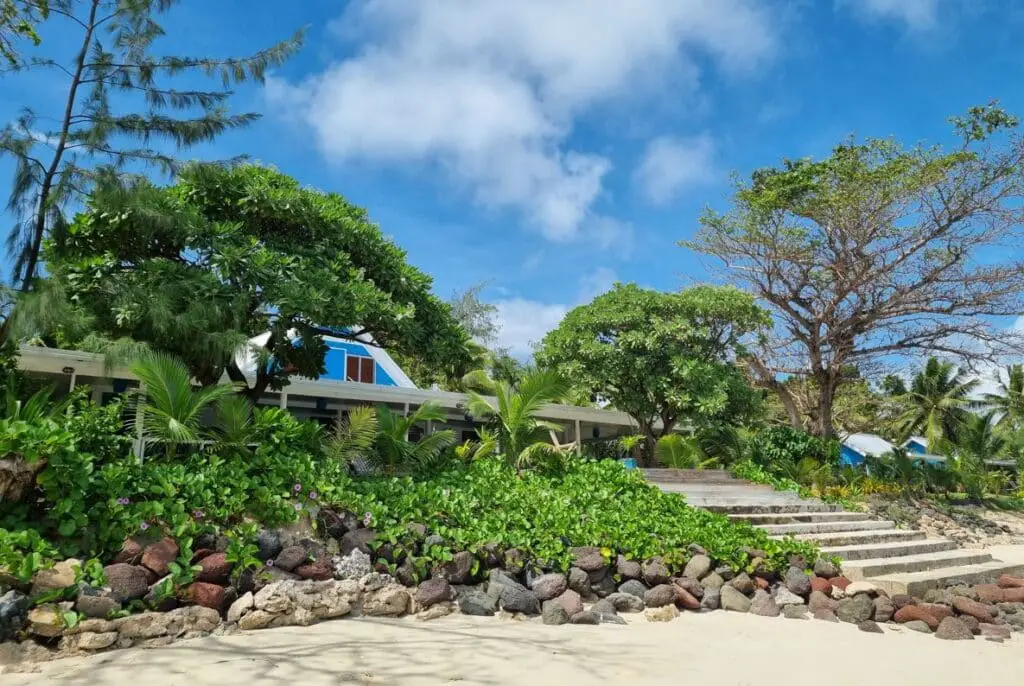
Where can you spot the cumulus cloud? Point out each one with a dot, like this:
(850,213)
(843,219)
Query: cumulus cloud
(916,14)
(523,322)
(489,90)
(670,165)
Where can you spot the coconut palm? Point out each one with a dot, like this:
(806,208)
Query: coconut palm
(512,413)
(979,437)
(1009,401)
(353,437)
(937,404)
(169,407)
(393,451)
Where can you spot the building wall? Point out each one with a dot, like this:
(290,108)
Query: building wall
(848,455)
(338,352)
(915,447)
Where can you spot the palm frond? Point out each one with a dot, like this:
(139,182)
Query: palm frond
(353,437)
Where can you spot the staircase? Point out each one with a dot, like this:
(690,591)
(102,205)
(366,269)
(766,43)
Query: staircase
(896,560)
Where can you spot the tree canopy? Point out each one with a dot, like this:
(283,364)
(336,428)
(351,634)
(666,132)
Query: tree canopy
(228,253)
(878,252)
(664,358)
(18,20)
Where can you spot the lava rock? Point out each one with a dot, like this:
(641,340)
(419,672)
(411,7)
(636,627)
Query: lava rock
(919,626)
(784,597)
(585,617)
(685,599)
(821,585)
(820,601)
(268,543)
(434,591)
(476,602)
(884,609)
(724,571)
(130,553)
(95,603)
(901,600)
(743,583)
(764,605)
(798,582)
(973,624)
(794,611)
(980,611)
(825,615)
(290,558)
(571,601)
(126,582)
(458,570)
(589,559)
(548,586)
(554,614)
(625,602)
(698,567)
(691,586)
(359,539)
(215,568)
(712,580)
(579,581)
(158,556)
(206,595)
(939,595)
(659,596)
(952,629)
(655,572)
(712,599)
(13,612)
(859,608)
(916,613)
(604,586)
(331,523)
(870,627)
(317,570)
(628,569)
(633,587)
(825,568)
(734,600)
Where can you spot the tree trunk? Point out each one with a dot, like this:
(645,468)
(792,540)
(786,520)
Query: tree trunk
(650,440)
(764,378)
(823,425)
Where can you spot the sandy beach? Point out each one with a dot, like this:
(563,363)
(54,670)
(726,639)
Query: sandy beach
(712,648)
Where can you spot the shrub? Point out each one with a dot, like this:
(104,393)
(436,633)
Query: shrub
(593,503)
(780,447)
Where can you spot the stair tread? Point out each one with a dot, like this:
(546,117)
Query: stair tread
(828,527)
(866,536)
(917,582)
(858,552)
(812,517)
(940,556)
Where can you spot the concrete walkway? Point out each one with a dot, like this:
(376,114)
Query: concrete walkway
(713,648)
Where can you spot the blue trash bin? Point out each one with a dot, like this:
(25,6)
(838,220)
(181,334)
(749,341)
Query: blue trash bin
(629,462)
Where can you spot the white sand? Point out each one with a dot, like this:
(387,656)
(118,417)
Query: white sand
(706,649)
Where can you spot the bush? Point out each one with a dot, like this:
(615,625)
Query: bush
(594,503)
(780,447)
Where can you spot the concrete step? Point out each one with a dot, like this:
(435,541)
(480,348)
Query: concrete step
(748,507)
(844,538)
(825,527)
(873,551)
(798,517)
(917,583)
(659,475)
(946,559)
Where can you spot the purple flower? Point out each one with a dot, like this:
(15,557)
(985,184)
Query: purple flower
(270,563)
(297,487)
(198,514)
(367,519)
(312,495)
(144,526)
(123,501)
(298,506)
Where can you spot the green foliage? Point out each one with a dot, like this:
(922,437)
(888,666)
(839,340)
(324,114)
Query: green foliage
(937,404)
(394,453)
(681,452)
(1009,401)
(661,357)
(228,254)
(18,19)
(24,552)
(780,447)
(512,416)
(590,503)
(353,437)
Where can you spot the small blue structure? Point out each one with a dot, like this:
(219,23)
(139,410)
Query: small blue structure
(855,448)
(916,444)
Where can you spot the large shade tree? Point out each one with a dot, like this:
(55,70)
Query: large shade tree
(876,252)
(230,253)
(664,358)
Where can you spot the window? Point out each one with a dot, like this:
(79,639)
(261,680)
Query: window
(359,369)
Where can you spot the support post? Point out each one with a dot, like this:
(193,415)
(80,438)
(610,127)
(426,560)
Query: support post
(283,400)
(73,382)
(579,438)
(140,440)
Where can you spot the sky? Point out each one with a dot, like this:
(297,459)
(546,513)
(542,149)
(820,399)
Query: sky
(552,147)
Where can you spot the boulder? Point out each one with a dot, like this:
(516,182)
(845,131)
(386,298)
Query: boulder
(698,567)
(554,613)
(291,557)
(794,611)
(1012,595)
(691,586)
(971,623)
(434,591)
(96,603)
(241,606)
(628,569)
(633,587)
(916,613)
(660,595)
(901,600)
(724,571)
(952,629)
(215,568)
(88,641)
(603,607)
(743,583)
(625,602)
(45,620)
(13,610)
(685,599)
(589,559)
(939,595)
(919,625)
(436,611)
(712,580)
(989,593)
(784,597)
(821,585)
(458,570)
(268,543)
(604,586)
(665,613)
(359,539)
(548,586)
(585,617)
(825,615)
(884,609)
(391,601)
(130,553)
(572,602)
(870,627)
(763,604)
(655,572)
(355,565)
(840,582)
(798,582)
(206,595)
(127,582)
(712,599)
(820,601)
(825,568)
(514,560)
(1007,581)
(995,631)
(858,587)
(317,570)
(857,609)
(58,577)
(158,556)
(940,612)
(331,523)
(734,600)
(973,608)
(579,581)
(476,602)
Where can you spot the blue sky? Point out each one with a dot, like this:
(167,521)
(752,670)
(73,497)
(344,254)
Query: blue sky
(553,147)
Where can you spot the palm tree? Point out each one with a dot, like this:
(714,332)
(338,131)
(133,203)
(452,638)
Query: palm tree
(170,409)
(979,437)
(1009,401)
(353,437)
(937,404)
(673,450)
(394,452)
(512,412)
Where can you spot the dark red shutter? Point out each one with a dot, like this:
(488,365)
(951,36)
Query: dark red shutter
(351,368)
(366,370)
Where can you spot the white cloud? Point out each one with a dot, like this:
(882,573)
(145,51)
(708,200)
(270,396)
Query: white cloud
(670,165)
(523,323)
(918,15)
(489,90)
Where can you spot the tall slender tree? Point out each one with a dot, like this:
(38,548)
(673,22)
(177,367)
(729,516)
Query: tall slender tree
(937,404)
(1008,403)
(119,114)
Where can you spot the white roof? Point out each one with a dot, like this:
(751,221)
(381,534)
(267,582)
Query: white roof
(868,444)
(917,439)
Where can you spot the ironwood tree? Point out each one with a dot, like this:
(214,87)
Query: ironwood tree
(119,113)
(878,254)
